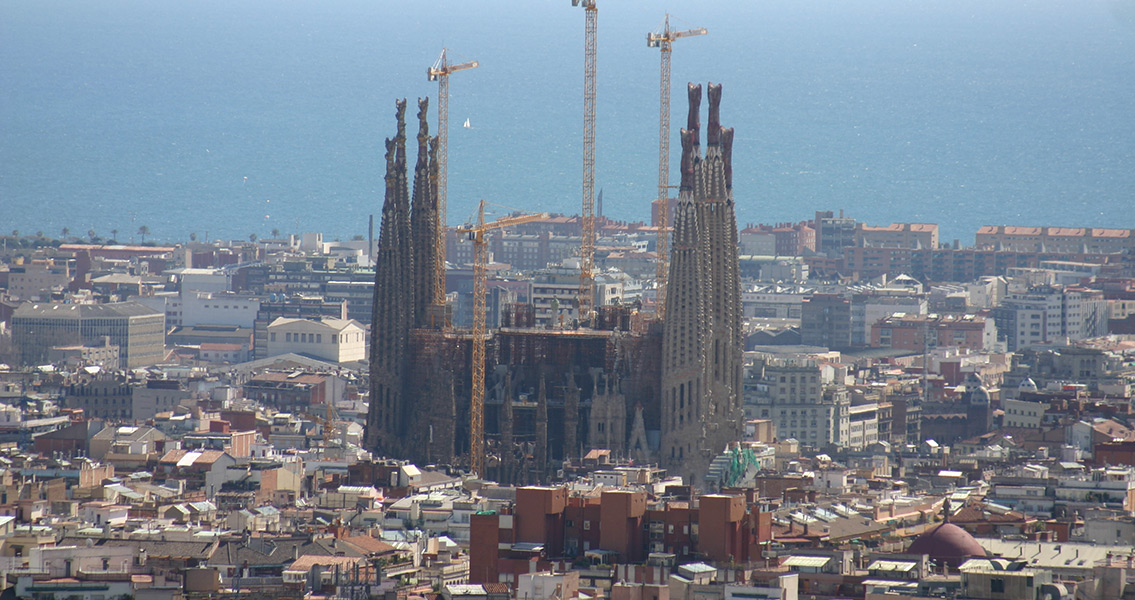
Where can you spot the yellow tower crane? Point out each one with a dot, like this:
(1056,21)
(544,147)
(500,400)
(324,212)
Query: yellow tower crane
(662,41)
(587,244)
(440,72)
(476,234)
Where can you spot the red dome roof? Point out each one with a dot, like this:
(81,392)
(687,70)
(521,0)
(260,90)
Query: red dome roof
(947,543)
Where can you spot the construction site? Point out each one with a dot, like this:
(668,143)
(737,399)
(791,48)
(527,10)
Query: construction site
(512,403)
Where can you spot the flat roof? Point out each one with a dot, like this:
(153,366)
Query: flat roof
(807,561)
(892,565)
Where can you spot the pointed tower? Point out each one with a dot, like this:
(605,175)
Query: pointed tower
(571,417)
(392,316)
(638,448)
(702,345)
(423,219)
(683,354)
(717,226)
(607,421)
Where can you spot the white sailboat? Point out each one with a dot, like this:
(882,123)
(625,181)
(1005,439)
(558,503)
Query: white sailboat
(467,125)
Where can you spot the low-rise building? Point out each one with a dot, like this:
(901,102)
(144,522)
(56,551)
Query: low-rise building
(330,339)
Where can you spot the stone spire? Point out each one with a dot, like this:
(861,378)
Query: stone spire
(405,235)
(540,453)
(423,219)
(571,417)
(392,312)
(702,344)
(683,352)
(718,227)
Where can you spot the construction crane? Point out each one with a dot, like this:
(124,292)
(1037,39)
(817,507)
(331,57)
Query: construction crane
(662,41)
(587,243)
(440,72)
(328,423)
(476,234)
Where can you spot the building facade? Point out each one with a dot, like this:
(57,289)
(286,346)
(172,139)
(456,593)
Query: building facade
(1050,314)
(920,332)
(825,321)
(137,330)
(793,394)
(333,340)
(1071,240)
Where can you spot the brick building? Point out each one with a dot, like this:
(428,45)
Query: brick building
(917,332)
(616,526)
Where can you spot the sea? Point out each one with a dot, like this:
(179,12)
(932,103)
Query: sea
(227,118)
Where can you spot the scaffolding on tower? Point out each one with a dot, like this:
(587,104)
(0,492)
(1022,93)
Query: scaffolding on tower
(476,234)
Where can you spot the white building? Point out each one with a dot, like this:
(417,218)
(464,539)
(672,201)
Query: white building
(1022,413)
(1106,487)
(102,513)
(10,416)
(547,585)
(793,393)
(217,308)
(863,426)
(330,339)
(757,243)
(201,280)
(1049,314)
(189,308)
(774,301)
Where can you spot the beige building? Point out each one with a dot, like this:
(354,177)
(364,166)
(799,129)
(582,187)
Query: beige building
(803,404)
(104,355)
(138,331)
(37,278)
(330,339)
(128,441)
(897,235)
(1067,240)
(1002,579)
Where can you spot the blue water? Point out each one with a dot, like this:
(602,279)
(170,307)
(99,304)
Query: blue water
(234,117)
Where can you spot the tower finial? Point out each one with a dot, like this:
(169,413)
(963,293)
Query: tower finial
(693,118)
(713,134)
(689,147)
(423,125)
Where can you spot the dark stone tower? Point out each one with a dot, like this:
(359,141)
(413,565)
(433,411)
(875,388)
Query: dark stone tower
(702,345)
(979,410)
(423,219)
(393,304)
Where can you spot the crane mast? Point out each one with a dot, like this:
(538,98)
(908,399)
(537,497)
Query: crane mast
(476,234)
(477,398)
(440,72)
(663,42)
(587,244)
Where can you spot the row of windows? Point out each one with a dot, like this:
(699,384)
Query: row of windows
(303,338)
(317,338)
